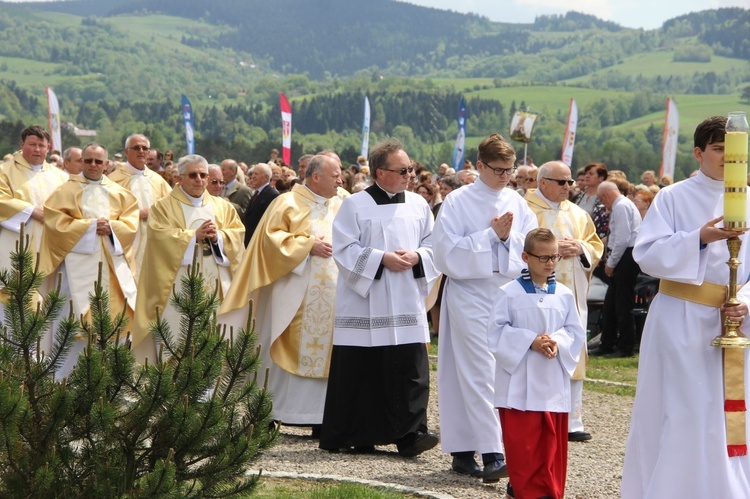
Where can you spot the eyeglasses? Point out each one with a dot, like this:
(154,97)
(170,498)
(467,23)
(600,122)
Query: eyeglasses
(99,162)
(214,182)
(402,171)
(546,258)
(561,182)
(499,171)
(139,148)
(194,175)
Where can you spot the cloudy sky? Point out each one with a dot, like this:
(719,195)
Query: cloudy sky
(648,14)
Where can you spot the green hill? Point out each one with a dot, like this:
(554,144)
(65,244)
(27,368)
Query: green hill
(119,66)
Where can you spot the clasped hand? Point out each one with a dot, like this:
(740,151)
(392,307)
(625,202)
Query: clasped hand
(400,260)
(207,230)
(545,346)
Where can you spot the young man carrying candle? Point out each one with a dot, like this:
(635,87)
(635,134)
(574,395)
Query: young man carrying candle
(677,445)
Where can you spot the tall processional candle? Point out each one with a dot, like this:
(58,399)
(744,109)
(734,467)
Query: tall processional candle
(735,171)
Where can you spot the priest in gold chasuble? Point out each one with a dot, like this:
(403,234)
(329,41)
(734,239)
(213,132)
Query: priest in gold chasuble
(87,221)
(189,215)
(26,181)
(581,249)
(289,262)
(146,185)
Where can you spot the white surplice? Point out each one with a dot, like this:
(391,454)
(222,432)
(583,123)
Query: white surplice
(525,379)
(677,444)
(389,310)
(476,263)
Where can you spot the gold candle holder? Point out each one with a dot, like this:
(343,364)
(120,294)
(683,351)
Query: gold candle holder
(735,219)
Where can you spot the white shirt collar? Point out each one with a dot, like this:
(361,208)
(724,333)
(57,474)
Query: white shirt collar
(135,170)
(319,199)
(555,206)
(197,202)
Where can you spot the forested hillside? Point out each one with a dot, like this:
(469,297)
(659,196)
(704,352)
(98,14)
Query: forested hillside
(119,66)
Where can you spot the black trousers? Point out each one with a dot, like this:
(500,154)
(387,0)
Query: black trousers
(376,395)
(618,328)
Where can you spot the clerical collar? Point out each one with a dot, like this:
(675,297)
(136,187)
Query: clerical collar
(197,202)
(381,196)
(36,168)
(135,170)
(318,199)
(555,206)
(89,180)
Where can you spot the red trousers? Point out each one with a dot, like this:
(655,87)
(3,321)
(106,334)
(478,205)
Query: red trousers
(536,449)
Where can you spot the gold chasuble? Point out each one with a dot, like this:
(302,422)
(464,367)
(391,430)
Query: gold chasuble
(70,215)
(22,187)
(296,290)
(148,187)
(571,222)
(172,222)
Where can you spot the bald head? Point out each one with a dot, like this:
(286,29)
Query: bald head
(608,192)
(550,176)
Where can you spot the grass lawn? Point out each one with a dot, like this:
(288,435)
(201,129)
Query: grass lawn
(280,488)
(622,373)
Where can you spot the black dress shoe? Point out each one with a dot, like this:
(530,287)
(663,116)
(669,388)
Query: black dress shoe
(579,436)
(494,471)
(466,466)
(315,433)
(509,492)
(619,354)
(363,449)
(420,443)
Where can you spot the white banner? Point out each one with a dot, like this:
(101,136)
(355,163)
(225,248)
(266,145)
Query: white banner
(54,120)
(570,134)
(669,142)
(366,130)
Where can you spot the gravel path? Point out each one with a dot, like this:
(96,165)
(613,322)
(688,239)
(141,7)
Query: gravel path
(594,467)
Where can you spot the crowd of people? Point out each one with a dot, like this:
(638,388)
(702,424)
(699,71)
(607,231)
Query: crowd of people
(352,269)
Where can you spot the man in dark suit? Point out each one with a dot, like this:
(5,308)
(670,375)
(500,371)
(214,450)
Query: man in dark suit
(260,177)
(237,194)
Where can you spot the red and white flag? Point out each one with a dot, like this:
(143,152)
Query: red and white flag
(669,142)
(570,134)
(286,130)
(54,120)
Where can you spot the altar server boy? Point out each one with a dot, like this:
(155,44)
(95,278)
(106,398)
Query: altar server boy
(536,336)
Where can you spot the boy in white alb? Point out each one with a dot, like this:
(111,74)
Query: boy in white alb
(536,336)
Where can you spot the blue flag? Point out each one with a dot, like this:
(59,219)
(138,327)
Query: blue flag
(458,149)
(187,115)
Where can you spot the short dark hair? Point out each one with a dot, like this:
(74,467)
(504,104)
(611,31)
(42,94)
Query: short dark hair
(601,169)
(709,131)
(536,236)
(452,181)
(379,154)
(495,148)
(36,131)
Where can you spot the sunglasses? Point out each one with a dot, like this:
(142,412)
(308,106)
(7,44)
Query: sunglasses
(88,161)
(139,148)
(546,258)
(402,171)
(194,175)
(561,182)
(214,182)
